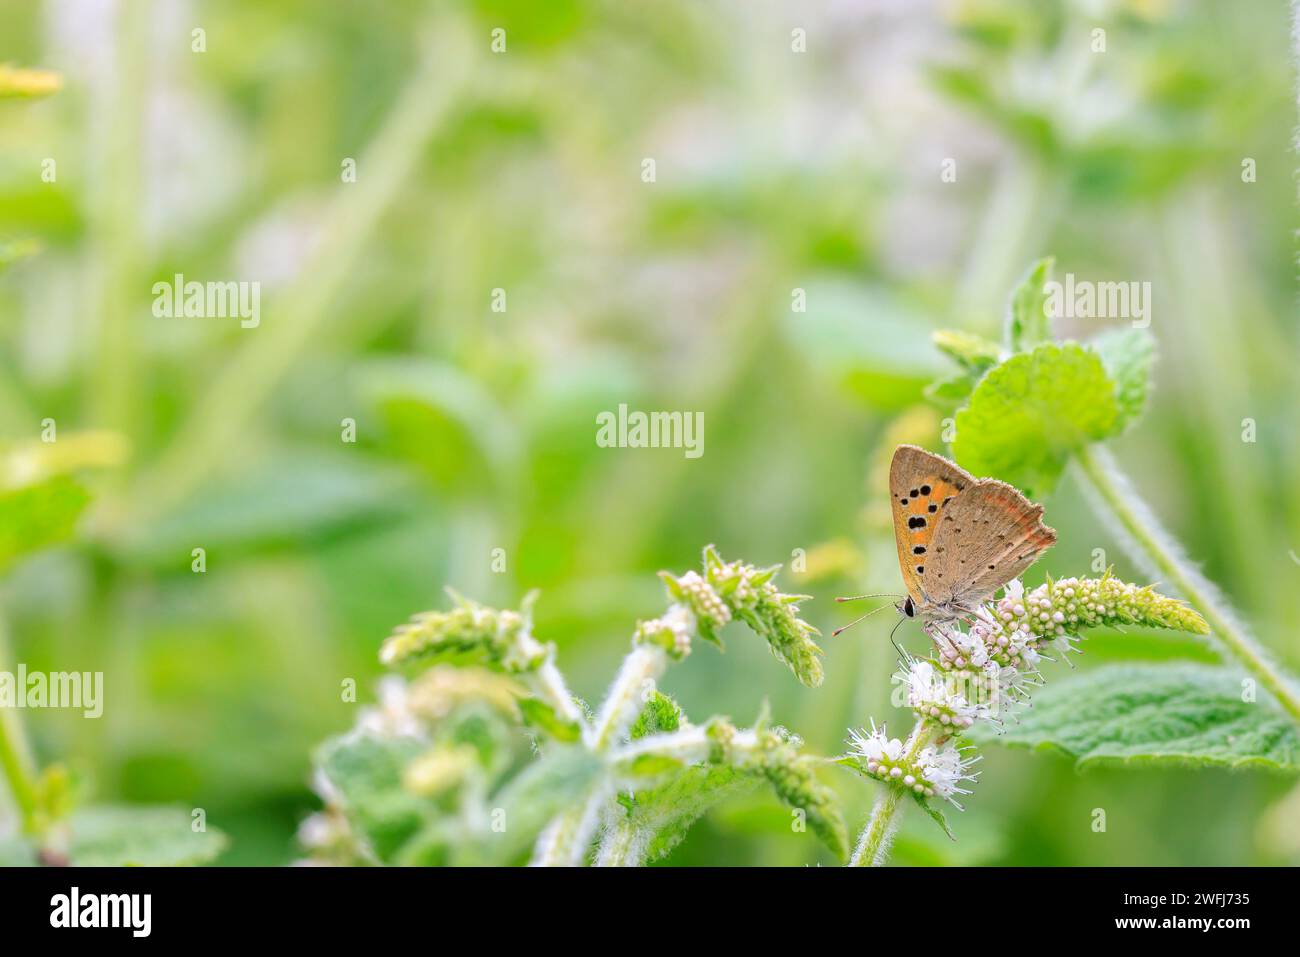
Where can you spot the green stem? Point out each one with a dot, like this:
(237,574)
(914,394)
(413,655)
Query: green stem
(17,768)
(565,840)
(622,845)
(873,844)
(15,759)
(1151,545)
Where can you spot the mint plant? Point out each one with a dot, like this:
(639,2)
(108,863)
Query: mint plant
(437,777)
(439,772)
(976,678)
(1027,410)
(1042,407)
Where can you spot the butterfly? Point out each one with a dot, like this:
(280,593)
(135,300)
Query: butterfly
(959,538)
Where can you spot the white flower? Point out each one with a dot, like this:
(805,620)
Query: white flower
(945,770)
(876,746)
(940,695)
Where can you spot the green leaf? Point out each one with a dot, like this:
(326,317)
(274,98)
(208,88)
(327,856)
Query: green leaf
(38,515)
(562,778)
(447,424)
(1027,323)
(1128,355)
(651,766)
(539,714)
(366,772)
(953,391)
(973,353)
(935,815)
(1030,413)
(661,713)
(110,836)
(669,811)
(853,762)
(1190,715)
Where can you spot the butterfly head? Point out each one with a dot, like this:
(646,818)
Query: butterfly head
(906,607)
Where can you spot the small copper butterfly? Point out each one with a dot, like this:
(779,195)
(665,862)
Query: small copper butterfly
(959,538)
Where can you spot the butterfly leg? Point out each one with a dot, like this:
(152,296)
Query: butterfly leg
(939,636)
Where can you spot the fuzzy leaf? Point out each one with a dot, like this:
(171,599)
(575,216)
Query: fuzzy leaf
(935,815)
(661,713)
(1029,413)
(971,352)
(37,515)
(140,837)
(539,714)
(366,772)
(652,766)
(1027,323)
(1190,715)
(1128,355)
(670,810)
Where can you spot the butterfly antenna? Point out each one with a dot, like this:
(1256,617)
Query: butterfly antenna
(837,631)
(901,652)
(860,597)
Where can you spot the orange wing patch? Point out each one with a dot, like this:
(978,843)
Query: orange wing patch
(921,485)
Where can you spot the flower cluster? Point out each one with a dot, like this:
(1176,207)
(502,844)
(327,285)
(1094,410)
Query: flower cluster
(672,630)
(505,636)
(1011,631)
(953,699)
(730,590)
(928,770)
(996,660)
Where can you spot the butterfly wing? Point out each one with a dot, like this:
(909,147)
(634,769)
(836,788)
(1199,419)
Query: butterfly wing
(986,536)
(921,487)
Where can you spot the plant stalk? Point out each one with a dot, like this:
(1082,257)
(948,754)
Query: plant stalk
(1148,542)
(873,844)
(15,759)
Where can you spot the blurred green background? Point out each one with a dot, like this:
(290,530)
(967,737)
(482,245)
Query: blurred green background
(776,170)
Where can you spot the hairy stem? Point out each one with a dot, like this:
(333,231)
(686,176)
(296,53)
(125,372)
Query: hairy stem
(565,840)
(623,844)
(873,843)
(1115,499)
(645,663)
(548,684)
